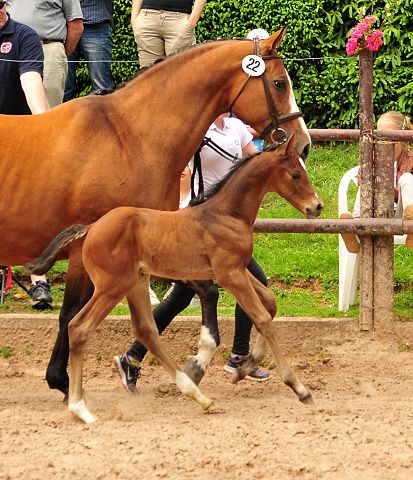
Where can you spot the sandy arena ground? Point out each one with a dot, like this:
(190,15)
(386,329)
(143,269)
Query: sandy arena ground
(360,427)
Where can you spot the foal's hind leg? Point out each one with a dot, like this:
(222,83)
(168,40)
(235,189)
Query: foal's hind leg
(80,330)
(248,292)
(144,328)
(209,339)
(78,291)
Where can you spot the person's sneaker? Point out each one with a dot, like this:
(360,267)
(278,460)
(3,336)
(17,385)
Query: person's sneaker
(129,372)
(351,240)
(154,299)
(256,375)
(40,297)
(408,215)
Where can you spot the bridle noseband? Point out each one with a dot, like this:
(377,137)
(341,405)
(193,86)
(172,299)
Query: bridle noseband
(275,119)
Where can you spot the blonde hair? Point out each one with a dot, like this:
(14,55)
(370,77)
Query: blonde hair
(400,121)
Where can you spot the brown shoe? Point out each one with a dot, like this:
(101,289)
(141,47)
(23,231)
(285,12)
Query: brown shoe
(408,215)
(351,240)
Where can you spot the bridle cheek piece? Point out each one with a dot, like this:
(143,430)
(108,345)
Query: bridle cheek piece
(278,134)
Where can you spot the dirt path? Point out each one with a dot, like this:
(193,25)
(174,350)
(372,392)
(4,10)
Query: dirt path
(360,428)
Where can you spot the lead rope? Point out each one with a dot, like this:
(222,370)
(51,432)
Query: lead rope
(198,167)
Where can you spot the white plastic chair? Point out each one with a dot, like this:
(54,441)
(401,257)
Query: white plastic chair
(349,263)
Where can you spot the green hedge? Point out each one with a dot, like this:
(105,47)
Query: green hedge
(326,89)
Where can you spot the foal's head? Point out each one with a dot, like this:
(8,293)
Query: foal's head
(289,179)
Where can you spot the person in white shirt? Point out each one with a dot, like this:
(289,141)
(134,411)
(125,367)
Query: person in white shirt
(185,187)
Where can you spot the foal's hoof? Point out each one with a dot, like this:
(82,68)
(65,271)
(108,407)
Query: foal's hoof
(194,371)
(210,408)
(238,375)
(307,400)
(80,410)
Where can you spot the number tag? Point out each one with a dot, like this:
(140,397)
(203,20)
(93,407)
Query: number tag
(253,65)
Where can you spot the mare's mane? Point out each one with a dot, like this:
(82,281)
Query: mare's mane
(218,186)
(144,69)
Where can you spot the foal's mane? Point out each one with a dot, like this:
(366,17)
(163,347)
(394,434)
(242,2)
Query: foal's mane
(218,186)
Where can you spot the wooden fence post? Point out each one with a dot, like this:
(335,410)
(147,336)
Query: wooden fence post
(383,246)
(366,187)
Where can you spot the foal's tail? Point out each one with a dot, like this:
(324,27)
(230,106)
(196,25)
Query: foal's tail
(45,262)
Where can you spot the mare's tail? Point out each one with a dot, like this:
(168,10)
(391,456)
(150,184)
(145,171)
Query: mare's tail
(45,262)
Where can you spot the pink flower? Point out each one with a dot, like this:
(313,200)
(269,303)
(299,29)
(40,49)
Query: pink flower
(374,41)
(361,36)
(351,47)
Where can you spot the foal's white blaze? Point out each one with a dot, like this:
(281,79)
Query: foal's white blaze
(190,390)
(294,108)
(302,163)
(206,348)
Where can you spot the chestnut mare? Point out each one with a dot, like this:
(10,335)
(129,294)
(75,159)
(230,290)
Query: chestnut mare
(217,238)
(83,158)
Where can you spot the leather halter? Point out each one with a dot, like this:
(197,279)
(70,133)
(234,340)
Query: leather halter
(275,119)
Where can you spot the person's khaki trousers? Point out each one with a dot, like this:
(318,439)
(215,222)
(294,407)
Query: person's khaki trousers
(55,72)
(159,33)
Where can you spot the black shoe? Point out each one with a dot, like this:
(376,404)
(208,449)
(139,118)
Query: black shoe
(129,372)
(40,295)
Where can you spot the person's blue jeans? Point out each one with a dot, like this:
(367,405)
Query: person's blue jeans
(95,45)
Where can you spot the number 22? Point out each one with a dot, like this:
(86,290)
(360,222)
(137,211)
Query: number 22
(253,65)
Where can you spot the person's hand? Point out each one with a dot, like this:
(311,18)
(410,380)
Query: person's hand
(134,16)
(191,23)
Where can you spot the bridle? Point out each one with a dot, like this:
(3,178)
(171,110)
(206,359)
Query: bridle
(275,119)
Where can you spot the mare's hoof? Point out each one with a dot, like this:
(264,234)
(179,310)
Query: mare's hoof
(194,371)
(307,400)
(57,381)
(66,398)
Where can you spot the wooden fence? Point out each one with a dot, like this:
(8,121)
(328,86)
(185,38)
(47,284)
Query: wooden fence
(376,225)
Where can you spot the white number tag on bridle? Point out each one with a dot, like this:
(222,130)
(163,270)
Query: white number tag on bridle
(253,65)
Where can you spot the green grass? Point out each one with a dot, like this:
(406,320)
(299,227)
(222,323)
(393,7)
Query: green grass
(303,268)
(6,352)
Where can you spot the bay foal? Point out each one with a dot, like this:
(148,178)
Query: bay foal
(211,239)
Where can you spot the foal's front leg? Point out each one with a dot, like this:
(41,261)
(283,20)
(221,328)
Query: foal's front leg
(209,338)
(144,328)
(248,292)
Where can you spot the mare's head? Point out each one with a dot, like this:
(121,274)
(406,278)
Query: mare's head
(289,179)
(270,92)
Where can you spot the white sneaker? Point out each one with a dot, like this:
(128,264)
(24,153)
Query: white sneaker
(154,299)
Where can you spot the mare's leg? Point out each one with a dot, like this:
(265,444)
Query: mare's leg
(248,291)
(209,339)
(78,291)
(144,328)
(80,330)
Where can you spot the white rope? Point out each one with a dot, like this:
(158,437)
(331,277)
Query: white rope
(137,61)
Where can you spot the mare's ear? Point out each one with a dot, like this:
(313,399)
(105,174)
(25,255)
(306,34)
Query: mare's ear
(273,41)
